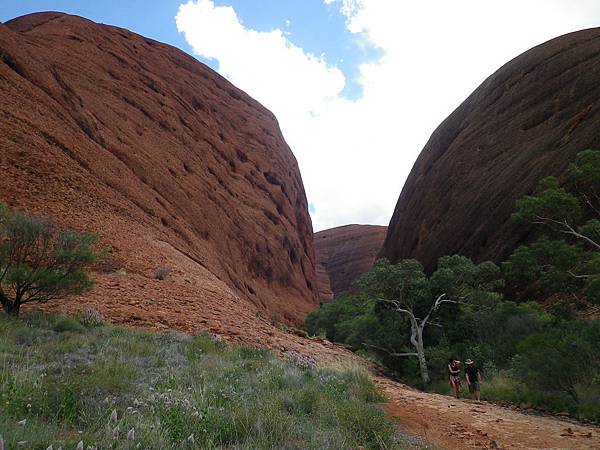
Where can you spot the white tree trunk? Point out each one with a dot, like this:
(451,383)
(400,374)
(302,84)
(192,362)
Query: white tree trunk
(416,338)
(422,360)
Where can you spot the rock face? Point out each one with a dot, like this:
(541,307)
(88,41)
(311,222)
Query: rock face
(528,120)
(164,159)
(343,255)
(323,283)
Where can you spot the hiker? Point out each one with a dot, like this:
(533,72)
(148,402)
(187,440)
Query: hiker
(473,376)
(454,376)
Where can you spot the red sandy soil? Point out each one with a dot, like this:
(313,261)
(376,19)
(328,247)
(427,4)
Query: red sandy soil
(465,424)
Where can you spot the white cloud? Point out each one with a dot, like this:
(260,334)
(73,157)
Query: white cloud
(355,155)
(265,64)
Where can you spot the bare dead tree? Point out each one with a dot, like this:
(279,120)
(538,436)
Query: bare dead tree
(417,327)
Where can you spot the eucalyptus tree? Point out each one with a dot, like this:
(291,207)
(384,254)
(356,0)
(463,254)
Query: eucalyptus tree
(407,290)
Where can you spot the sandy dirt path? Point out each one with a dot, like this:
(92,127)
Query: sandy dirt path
(465,424)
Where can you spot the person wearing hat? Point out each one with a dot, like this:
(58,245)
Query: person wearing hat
(473,376)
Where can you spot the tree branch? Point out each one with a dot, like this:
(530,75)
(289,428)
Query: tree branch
(433,308)
(589,203)
(578,276)
(568,229)
(398,307)
(390,352)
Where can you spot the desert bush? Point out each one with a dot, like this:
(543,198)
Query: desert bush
(279,322)
(91,318)
(39,261)
(162,272)
(68,324)
(301,361)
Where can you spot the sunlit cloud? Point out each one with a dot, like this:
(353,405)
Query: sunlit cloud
(355,155)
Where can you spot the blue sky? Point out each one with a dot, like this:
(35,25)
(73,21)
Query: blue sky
(357,86)
(152,18)
(318,28)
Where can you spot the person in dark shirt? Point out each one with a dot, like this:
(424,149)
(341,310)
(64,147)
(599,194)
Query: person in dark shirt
(473,377)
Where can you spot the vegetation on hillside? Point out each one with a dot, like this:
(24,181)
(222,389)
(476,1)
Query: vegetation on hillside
(566,260)
(544,356)
(70,380)
(39,261)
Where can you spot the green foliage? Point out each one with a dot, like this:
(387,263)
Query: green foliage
(570,213)
(205,394)
(40,262)
(405,282)
(562,358)
(503,327)
(584,175)
(456,276)
(365,323)
(460,277)
(549,262)
(329,319)
(23,395)
(68,324)
(112,374)
(549,202)
(364,423)
(202,344)
(591,229)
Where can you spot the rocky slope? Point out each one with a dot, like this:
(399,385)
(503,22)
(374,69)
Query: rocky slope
(343,254)
(165,160)
(526,121)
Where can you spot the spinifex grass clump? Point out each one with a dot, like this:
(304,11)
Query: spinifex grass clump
(114,388)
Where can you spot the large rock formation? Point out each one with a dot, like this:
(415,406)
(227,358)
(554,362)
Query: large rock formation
(166,161)
(343,254)
(526,121)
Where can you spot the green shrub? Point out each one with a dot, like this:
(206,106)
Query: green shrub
(205,390)
(202,344)
(176,422)
(560,359)
(90,318)
(363,388)
(23,395)
(589,403)
(68,324)
(366,424)
(60,402)
(304,402)
(504,388)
